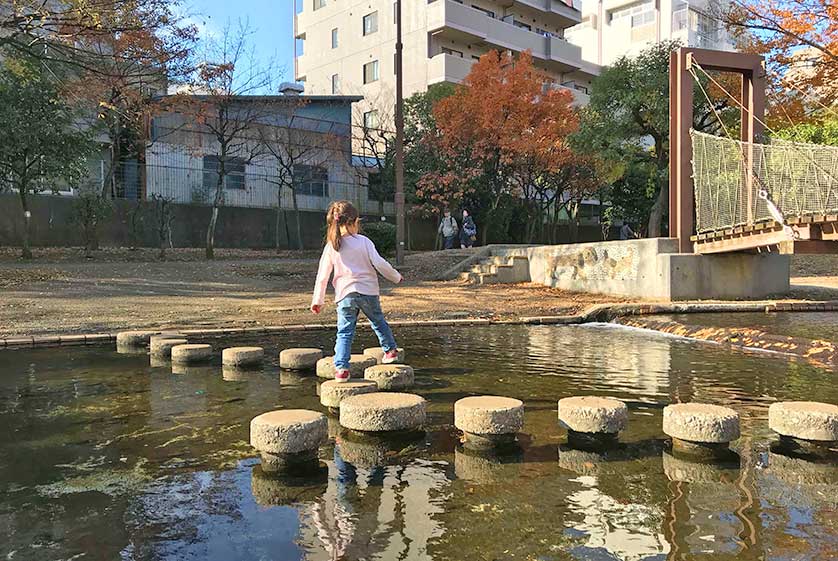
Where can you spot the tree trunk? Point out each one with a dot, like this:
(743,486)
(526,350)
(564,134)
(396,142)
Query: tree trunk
(219,194)
(656,214)
(26,253)
(278,218)
(297,220)
(210,252)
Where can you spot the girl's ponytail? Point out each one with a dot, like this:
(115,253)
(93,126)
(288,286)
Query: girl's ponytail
(340,213)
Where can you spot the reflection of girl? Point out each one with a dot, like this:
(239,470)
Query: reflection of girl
(337,542)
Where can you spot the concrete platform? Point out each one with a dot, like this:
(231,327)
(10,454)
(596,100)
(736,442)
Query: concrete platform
(653,269)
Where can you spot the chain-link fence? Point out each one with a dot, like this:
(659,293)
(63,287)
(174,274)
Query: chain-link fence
(732,179)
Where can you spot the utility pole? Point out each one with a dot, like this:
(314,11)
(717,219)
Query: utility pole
(399,196)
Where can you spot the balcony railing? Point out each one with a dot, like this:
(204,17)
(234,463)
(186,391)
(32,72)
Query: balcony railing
(504,34)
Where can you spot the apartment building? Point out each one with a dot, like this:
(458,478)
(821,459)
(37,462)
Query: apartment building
(612,28)
(348,46)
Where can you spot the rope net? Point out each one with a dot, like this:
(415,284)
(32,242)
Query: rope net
(795,178)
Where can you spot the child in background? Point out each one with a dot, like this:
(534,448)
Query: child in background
(354,261)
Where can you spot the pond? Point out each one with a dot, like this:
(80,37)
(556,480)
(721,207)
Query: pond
(104,457)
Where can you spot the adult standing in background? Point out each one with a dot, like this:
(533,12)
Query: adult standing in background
(626,233)
(448,229)
(468,235)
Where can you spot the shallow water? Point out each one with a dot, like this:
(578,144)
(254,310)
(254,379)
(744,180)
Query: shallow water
(105,457)
(808,325)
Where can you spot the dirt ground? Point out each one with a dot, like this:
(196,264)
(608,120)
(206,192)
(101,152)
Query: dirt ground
(62,292)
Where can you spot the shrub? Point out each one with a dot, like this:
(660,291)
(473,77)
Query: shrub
(383,235)
(90,210)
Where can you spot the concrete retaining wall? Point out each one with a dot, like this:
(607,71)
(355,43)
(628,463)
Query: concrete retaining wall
(652,269)
(52,225)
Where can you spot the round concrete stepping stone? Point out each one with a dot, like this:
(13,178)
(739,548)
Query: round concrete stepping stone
(378,354)
(242,357)
(382,412)
(287,437)
(162,348)
(488,420)
(134,338)
(694,426)
(593,415)
(357,365)
(299,359)
(166,335)
(271,490)
(390,376)
(190,354)
(333,392)
(805,420)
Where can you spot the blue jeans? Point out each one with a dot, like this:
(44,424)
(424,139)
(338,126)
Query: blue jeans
(348,309)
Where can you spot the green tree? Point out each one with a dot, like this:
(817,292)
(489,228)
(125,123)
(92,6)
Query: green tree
(626,126)
(421,156)
(45,144)
(824,131)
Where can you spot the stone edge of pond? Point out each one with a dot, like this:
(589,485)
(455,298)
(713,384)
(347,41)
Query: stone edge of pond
(596,313)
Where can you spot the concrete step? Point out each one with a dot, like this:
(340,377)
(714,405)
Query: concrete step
(521,267)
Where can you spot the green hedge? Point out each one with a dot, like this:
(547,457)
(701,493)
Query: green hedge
(383,235)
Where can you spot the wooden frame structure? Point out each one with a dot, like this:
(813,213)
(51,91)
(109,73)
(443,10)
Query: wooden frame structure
(681,188)
(813,234)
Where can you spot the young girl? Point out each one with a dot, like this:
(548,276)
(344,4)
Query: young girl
(354,260)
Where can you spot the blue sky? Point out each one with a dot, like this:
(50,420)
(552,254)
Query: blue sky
(271,21)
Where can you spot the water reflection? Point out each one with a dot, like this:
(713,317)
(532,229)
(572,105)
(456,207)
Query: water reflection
(105,455)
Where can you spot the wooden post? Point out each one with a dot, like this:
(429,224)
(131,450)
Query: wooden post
(681,188)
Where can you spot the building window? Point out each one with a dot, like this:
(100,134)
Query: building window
(522,25)
(311,180)
(452,52)
(636,9)
(371,119)
(644,18)
(233,173)
(370,23)
(335,85)
(335,38)
(319,4)
(371,72)
(489,13)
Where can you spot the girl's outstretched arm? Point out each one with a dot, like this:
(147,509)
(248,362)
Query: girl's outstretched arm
(381,265)
(324,271)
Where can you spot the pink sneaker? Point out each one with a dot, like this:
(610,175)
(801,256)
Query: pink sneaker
(390,357)
(342,375)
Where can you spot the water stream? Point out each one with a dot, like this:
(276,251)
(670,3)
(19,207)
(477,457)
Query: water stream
(104,457)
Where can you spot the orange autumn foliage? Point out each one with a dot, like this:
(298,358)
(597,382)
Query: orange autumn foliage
(501,125)
(800,41)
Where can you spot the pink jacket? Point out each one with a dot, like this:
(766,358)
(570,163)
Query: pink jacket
(354,267)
